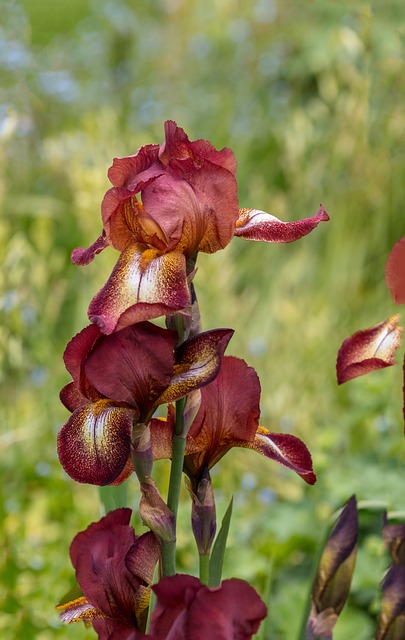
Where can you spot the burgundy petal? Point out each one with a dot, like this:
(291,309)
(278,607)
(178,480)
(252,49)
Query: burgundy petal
(369,350)
(187,609)
(78,349)
(132,172)
(142,286)
(395,272)
(254,224)
(85,256)
(197,363)
(229,412)
(71,397)
(94,444)
(285,449)
(134,365)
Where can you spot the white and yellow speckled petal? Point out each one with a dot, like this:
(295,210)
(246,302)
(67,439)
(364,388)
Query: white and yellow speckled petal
(94,444)
(143,285)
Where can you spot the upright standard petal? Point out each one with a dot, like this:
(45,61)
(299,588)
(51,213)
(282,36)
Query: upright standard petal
(134,365)
(142,286)
(369,350)
(254,224)
(395,272)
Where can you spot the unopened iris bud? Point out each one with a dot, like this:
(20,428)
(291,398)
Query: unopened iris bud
(155,513)
(203,514)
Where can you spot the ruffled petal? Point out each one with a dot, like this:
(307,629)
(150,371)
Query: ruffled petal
(395,272)
(197,363)
(132,172)
(142,286)
(79,348)
(177,146)
(254,224)
(283,448)
(82,256)
(369,350)
(133,365)
(94,444)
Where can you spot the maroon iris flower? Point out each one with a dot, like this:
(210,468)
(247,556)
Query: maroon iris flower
(114,569)
(166,204)
(188,610)
(229,417)
(118,381)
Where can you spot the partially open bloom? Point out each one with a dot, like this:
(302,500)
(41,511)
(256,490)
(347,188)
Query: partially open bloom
(188,610)
(114,569)
(332,582)
(166,204)
(118,381)
(391,622)
(229,417)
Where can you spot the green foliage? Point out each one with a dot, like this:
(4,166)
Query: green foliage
(309,97)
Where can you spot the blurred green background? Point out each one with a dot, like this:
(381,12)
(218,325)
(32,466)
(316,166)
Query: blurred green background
(309,95)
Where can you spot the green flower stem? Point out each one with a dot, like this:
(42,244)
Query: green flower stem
(176,472)
(204,568)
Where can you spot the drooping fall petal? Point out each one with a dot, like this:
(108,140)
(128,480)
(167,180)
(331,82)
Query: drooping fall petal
(94,444)
(332,582)
(141,286)
(197,363)
(285,449)
(369,350)
(395,272)
(254,224)
(228,417)
(187,610)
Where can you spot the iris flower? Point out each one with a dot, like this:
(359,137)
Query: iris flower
(229,417)
(188,610)
(114,569)
(167,203)
(118,381)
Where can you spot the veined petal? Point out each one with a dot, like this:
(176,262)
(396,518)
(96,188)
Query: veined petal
(254,224)
(142,286)
(284,448)
(78,349)
(132,172)
(395,270)
(94,444)
(197,363)
(143,556)
(369,350)
(82,256)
